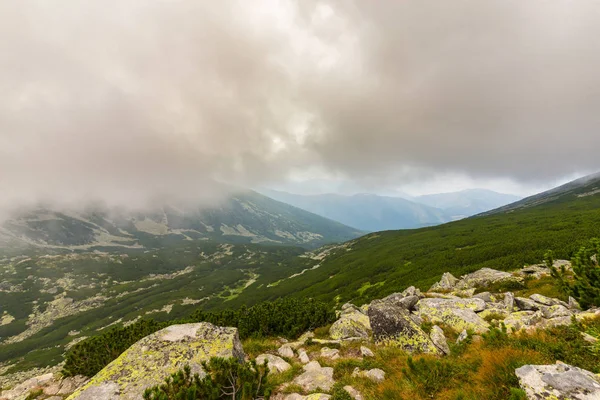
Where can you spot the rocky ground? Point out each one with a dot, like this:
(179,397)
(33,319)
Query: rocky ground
(431,323)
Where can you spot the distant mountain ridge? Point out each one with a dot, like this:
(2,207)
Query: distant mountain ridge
(366,212)
(244,217)
(370,212)
(468,202)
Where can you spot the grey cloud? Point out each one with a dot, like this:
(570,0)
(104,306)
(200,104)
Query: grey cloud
(125,100)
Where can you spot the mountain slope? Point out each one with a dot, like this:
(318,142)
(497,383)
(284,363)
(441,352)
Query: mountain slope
(367,212)
(245,217)
(467,202)
(586,186)
(381,263)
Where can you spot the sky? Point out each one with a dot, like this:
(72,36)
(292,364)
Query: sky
(126,100)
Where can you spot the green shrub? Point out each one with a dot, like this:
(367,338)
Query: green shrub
(225,379)
(284,317)
(585,285)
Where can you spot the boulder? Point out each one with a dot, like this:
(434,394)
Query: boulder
(399,299)
(21,391)
(573,304)
(286,351)
(366,352)
(448,282)
(486,296)
(522,320)
(509,301)
(473,304)
(315,377)
(552,322)
(412,291)
(456,318)
(439,339)
(392,325)
(486,277)
(463,293)
(376,375)
(152,359)
(332,354)
(275,364)
(463,336)
(558,381)
(524,304)
(353,324)
(355,394)
(555,311)
(303,356)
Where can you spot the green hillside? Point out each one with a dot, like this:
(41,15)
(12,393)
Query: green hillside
(382,263)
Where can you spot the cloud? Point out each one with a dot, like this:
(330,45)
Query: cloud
(126,100)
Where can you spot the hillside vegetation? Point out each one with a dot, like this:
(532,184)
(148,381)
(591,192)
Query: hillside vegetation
(385,262)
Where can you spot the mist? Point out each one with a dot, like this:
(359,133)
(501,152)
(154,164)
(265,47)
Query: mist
(128,101)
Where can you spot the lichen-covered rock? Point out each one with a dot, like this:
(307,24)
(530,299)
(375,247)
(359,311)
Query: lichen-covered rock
(524,304)
(448,282)
(487,297)
(473,304)
(555,311)
(457,318)
(392,325)
(315,377)
(275,364)
(412,291)
(522,320)
(303,356)
(553,322)
(509,301)
(351,325)
(544,300)
(573,304)
(463,293)
(21,391)
(439,339)
(498,313)
(150,360)
(558,381)
(485,277)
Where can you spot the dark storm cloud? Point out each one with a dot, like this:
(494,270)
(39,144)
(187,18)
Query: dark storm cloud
(125,100)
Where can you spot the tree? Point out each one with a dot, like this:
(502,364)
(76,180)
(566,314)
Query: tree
(585,284)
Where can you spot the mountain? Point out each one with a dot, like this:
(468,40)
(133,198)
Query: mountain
(244,217)
(583,187)
(367,212)
(375,265)
(467,202)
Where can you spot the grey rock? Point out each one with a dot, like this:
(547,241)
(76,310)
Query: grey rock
(509,301)
(485,277)
(376,375)
(274,363)
(573,304)
(315,377)
(286,351)
(524,304)
(555,311)
(463,336)
(457,318)
(366,352)
(350,325)
(411,291)
(447,282)
(558,381)
(150,360)
(393,326)
(547,301)
(332,354)
(486,296)
(303,356)
(355,394)
(439,339)
(522,320)
(473,304)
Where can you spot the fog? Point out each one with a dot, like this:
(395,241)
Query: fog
(126,101)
